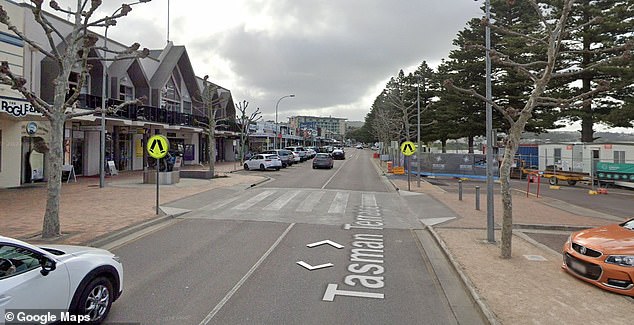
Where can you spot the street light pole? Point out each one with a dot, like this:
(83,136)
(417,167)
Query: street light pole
(489,130)
(276,126)
(418,156)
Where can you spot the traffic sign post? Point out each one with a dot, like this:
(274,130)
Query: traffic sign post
(408,148)
(157,148)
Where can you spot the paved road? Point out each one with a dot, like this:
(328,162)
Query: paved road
(234,259)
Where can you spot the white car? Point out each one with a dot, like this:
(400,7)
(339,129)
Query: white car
(83,281)
(296,157)
(263,162)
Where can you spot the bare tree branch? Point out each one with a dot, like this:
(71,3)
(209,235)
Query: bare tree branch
(18,83)
(472,92)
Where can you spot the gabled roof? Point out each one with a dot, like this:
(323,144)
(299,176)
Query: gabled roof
(170,58)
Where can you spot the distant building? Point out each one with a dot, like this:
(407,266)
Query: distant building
(325,127)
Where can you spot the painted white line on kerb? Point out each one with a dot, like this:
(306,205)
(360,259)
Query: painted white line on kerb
(236,287)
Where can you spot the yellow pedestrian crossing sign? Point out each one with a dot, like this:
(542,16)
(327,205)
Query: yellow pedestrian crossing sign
(408,148)
(158,146)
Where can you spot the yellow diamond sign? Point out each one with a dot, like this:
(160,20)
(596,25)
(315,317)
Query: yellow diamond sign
(408,148)
(158,146)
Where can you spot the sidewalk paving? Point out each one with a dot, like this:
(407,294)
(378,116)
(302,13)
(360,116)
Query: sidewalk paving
(521,291)
(88,212)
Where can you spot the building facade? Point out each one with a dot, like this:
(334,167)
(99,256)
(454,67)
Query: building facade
(173,107)
(319,127)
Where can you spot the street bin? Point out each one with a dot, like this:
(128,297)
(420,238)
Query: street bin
(389,166)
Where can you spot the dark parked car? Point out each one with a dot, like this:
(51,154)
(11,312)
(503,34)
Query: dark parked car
(338,154)
(323,160)
(286,156)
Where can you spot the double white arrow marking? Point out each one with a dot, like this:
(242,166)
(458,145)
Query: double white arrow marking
(321,266)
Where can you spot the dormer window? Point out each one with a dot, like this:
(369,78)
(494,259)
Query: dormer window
(170,98)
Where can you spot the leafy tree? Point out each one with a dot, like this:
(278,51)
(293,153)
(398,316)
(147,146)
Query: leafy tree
(593,43)
(552,35)
(70,53)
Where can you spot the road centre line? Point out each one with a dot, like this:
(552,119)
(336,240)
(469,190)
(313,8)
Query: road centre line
(335,174)
(237,286)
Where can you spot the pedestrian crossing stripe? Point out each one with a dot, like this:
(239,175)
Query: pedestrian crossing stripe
(408,148)
(158,146)
(304,201)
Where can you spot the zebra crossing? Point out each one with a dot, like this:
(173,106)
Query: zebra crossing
(317,206)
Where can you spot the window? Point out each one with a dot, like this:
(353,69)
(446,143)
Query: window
(15,260)
(73,82)
(187,107)
(126,93)
(0,150)
(557,155)
(619,157)
(170,99)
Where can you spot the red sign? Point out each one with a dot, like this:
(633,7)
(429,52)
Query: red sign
(607,146)
(279,136)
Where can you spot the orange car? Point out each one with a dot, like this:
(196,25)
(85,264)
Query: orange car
(603,256)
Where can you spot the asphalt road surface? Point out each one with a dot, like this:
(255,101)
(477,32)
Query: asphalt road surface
(244,256)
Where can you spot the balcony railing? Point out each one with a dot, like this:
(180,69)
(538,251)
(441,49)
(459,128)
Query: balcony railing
(143,112)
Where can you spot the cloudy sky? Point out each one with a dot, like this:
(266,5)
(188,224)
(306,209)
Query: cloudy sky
(335,56)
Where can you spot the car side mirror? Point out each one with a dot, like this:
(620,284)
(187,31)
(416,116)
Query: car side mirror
(47,265)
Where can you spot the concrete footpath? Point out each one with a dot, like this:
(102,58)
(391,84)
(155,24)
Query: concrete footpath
(89,213)
(530,288)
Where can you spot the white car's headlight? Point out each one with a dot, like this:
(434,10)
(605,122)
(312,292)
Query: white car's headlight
(622,260)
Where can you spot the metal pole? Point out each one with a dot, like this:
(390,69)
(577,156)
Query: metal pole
(459,190)
(102,135)
(409,172)
(158,163)
(477,198)
(276,128)
(418,133)
(168,21)
(489,133)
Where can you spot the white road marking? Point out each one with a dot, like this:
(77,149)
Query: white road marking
(235,288)
(316,267)
(253,201)
(310,202)
(339,203)
(329,242)
(281,201)
(368,200)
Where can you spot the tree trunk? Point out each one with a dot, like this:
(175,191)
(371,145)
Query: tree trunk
(470,143)
(507,200)
(211,142)
(54,161)
(443,145)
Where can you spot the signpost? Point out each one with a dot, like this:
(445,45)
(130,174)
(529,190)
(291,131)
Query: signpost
(408,148)
(157,148)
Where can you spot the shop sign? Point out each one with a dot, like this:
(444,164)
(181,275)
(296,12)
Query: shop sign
(17,107)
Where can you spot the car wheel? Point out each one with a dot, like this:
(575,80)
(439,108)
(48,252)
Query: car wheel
(314,167)
(552,181)
(262,167)
(96,299)
(246,167)
(277,168)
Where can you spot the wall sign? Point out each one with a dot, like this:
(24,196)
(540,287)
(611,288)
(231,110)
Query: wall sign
(17,107)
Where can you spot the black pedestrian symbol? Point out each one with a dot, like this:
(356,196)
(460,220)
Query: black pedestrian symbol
(408,148)
(160,145)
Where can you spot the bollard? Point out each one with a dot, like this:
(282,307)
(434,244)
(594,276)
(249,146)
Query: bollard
(459,190)
(477,198)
